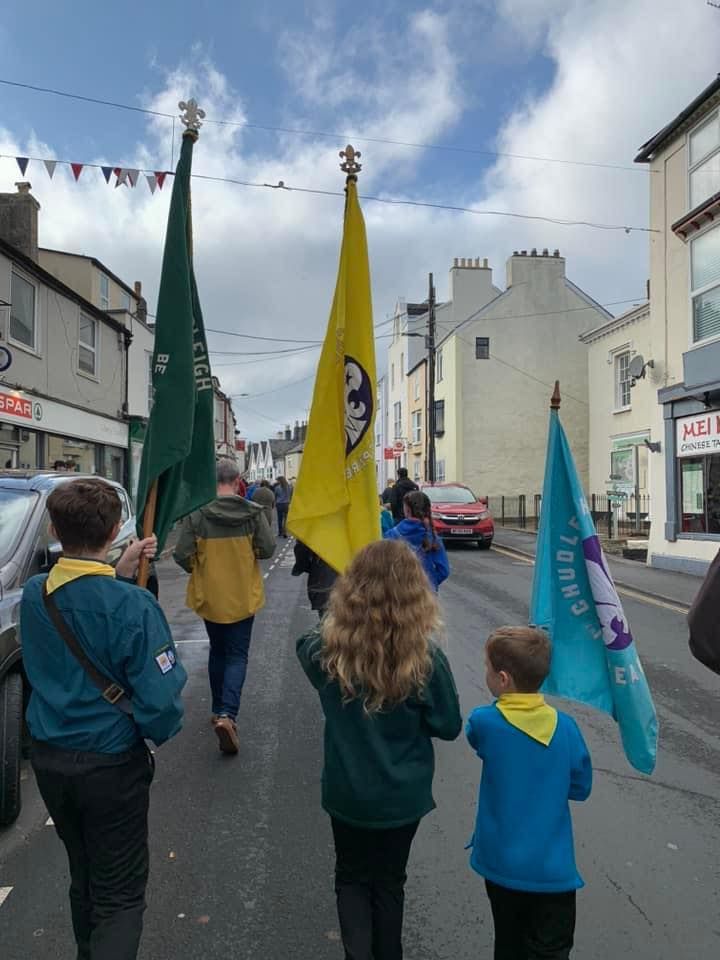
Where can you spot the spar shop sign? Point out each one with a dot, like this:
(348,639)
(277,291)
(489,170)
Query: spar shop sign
(699,435)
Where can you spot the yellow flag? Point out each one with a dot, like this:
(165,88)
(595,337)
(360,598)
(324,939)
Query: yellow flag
(334,509)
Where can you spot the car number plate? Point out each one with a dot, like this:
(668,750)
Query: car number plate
(461,530)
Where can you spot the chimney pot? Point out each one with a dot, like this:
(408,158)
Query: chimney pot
(456,262)
(556,253)
(462,261)
(523,253)
(485,263)
(533,252)
(137,286)
(477,261)
(23,186)
(545,251)
(516,253)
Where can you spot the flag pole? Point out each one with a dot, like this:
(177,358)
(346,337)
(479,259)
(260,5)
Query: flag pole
(191,116)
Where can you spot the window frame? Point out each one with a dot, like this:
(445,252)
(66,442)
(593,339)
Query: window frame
(95,349)
(125,301)
(417,469)
(397,420)
(104,291)
(693,167)
(417,384)
(439,375)
(707,288)
(416,426)
(440,471)
(35,347)
(618,394)
(482,344)
(439,421)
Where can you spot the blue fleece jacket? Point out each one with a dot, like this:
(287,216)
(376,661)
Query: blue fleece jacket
(435,562)
(523,834)
(125,634)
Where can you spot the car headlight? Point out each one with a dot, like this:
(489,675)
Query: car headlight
(484,515)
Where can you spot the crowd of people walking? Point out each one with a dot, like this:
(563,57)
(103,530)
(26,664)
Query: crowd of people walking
(106,677)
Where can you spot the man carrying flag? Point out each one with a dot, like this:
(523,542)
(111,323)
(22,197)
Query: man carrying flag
(334,508)
(177,473)
(574,598)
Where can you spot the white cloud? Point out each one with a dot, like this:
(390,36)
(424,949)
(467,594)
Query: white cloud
(266,260)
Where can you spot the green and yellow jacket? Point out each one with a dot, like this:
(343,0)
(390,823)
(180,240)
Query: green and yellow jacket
(219,546)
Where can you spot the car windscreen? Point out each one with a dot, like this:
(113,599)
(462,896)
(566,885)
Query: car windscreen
(450,495)
(15,509)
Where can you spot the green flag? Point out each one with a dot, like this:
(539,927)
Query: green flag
(179,450)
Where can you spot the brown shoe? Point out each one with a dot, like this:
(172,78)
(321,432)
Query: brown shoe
(226,732)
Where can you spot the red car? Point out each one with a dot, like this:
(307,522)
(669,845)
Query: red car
(458,514)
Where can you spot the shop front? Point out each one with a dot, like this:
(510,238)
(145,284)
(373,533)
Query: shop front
(40,434)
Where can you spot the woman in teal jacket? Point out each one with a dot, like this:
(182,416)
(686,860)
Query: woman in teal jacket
(386,690)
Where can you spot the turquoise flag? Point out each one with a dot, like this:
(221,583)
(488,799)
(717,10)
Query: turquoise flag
(594,658)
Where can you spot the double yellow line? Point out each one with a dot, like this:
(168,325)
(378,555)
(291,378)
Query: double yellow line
(622,589)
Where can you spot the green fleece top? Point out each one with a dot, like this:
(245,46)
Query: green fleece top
(379,767)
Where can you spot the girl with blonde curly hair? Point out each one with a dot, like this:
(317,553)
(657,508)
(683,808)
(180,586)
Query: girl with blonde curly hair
(386,690)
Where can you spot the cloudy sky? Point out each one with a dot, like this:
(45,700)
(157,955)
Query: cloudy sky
(578,80)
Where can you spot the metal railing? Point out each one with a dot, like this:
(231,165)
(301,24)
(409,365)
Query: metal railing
(615,519)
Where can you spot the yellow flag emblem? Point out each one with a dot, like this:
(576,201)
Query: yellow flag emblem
(334,509)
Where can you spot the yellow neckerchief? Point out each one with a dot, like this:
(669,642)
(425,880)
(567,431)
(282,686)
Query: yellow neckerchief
(530,714)
(68,569)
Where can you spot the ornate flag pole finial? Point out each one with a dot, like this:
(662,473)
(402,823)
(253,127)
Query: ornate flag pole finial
(350,164)
(192,116)
(555,399)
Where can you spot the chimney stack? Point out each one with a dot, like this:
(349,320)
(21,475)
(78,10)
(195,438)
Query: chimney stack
(288,432)
(141,309)
(485,263)
(19,220)
(556,253)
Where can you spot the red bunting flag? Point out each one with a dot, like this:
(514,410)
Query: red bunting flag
(22,162)
(77,170)
(160,178)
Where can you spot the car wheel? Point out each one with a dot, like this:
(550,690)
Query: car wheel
(484,544)
(11,712)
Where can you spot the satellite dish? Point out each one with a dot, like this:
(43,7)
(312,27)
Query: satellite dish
(636,369)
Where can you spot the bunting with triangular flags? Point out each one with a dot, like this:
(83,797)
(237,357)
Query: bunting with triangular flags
(22,162)
(107,173)
(151,181)
(160,177)
(121,175)
(132,176)
(77,170)
(50,167)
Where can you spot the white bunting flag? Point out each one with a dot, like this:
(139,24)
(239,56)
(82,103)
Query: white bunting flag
(50,167)
(132,176)
(122,176)
(152,181)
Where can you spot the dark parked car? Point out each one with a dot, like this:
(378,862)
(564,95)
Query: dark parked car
(26,549)
(458,514)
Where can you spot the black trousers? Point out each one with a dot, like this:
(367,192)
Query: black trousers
(99,803)
(370,889)
(532,926)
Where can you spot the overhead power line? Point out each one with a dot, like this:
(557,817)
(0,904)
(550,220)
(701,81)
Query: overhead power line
(343,137)
(391,201)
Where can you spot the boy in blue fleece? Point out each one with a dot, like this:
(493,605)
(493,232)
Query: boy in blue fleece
(534,761)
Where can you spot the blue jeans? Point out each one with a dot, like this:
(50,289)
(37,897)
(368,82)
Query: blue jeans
(282,512)
(227,664)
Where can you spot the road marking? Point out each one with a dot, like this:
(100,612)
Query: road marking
(4,894)
(623,591)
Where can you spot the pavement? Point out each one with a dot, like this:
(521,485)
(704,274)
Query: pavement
(242,852)
(679,588)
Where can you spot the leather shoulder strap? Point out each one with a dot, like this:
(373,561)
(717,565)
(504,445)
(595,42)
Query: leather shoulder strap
(111,691)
